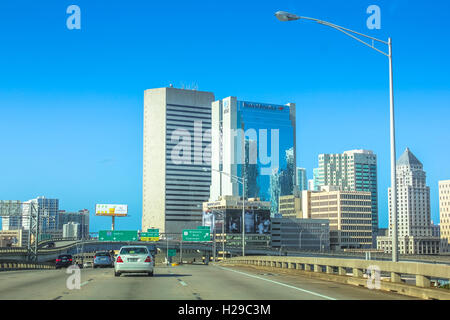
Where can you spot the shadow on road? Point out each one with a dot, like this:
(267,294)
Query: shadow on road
(156,275)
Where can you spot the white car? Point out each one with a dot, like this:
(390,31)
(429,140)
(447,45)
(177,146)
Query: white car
(134,259)
(88,264)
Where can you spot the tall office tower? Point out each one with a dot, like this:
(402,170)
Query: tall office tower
(267,161)
(444,212)
(177,158)
(302,179)
(413,210)
(48,214)
(354,170)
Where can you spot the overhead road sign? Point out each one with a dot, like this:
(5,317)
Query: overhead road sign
(109,235)
(196,235)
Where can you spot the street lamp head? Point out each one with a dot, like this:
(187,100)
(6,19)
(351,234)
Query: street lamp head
(286,16)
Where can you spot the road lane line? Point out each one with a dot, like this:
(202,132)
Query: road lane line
(183,283)
(281,284)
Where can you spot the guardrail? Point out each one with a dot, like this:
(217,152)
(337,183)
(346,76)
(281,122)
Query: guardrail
(10,266)
(363,272)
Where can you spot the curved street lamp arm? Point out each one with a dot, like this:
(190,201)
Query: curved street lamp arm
(349,32)
(238,179)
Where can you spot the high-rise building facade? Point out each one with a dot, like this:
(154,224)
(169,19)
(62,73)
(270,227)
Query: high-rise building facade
(444,211)
(302,179)
(254,141)
(354,170)
(413,210)
(349,214)
(177,158)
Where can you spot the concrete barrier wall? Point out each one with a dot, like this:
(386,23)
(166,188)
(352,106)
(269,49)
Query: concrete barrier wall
(11,266)
(336,270)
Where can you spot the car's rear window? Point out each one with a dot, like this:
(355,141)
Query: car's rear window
(102,254)
(65,256)
(133,251)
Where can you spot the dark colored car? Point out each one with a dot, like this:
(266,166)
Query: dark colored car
(64,261)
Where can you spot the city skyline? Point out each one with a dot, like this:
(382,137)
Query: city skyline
(68,147)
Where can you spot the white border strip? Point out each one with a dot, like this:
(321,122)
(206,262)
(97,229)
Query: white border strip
(281,284)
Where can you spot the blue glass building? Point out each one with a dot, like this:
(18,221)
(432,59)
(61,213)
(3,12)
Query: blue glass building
(255,141)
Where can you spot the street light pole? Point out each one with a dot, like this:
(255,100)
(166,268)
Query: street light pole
(393,158)
(242,182)
(286,16)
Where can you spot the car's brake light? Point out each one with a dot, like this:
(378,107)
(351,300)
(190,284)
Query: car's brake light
(95,257)
(119,259)
(58,260)
(70,259)
(148,259)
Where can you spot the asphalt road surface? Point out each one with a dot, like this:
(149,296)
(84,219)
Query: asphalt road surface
(186,282)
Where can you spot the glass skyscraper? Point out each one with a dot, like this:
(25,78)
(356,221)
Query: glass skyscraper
(255,141)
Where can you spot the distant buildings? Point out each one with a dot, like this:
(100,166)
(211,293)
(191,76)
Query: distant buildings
(354,170)
(51,220)
(415,234)
(349,214)
(444,212)
(81,218)
(71,230)
(177,158)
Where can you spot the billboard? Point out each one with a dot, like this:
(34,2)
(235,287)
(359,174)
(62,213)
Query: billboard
(117,210)
(257,221)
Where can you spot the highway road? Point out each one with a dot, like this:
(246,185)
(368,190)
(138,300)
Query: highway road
(186,282)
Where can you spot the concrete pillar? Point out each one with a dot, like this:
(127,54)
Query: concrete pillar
(299,266)
(422,281)
(317,268)
(291,265)
(357,272)
(329,269)
(307,267)
(395,277)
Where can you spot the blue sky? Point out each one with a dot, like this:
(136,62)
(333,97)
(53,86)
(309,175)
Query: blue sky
(71,101)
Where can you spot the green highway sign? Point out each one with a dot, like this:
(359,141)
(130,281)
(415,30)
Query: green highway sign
(196,235)
(172,252)
(124,235)
(150,236)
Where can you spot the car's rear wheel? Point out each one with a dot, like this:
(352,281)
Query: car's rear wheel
(150,274)
(117,274)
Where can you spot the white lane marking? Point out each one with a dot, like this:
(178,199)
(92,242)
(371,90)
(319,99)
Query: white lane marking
(281,284)
(84,283)
(183,283)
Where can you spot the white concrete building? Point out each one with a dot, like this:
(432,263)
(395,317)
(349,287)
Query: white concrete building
(413,210)
(177,158)
(71,230)
(444,213)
